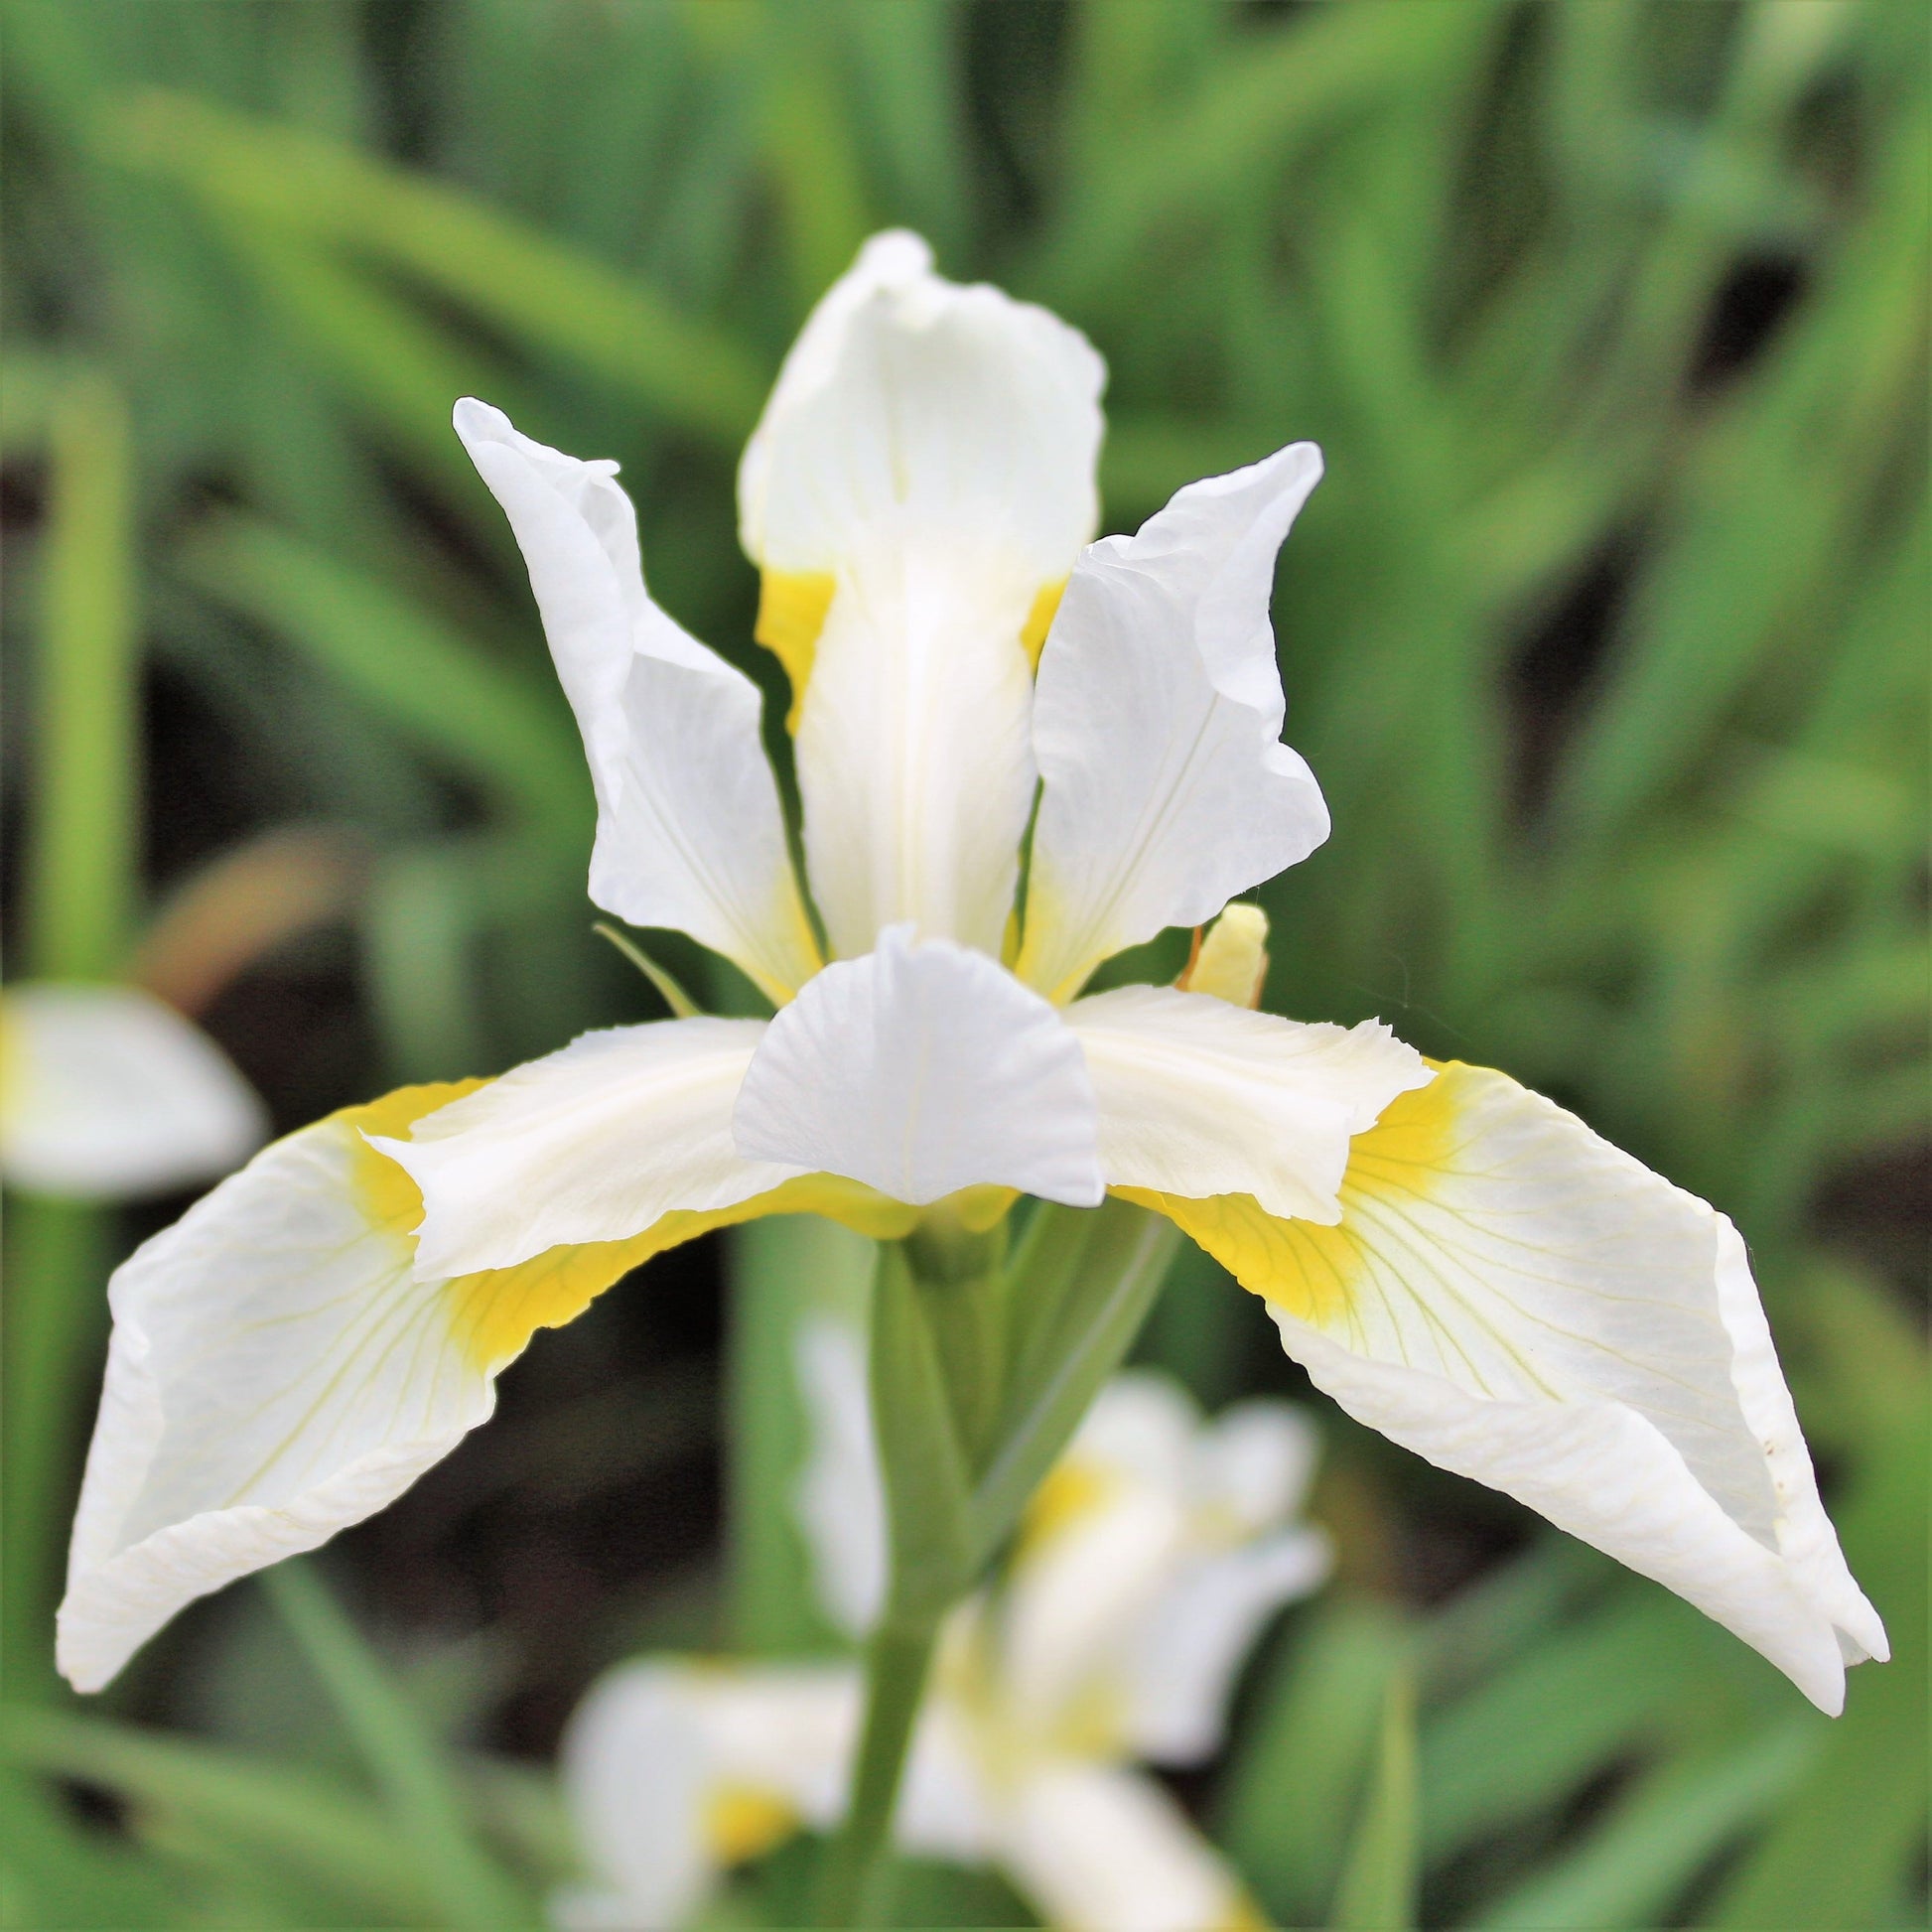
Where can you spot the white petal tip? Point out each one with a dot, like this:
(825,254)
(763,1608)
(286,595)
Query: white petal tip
(894,256)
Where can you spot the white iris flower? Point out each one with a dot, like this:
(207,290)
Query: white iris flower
(1462,1265)
(1144,1567)
(107,1093)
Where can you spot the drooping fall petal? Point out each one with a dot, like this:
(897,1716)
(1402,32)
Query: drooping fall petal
(1514,1299)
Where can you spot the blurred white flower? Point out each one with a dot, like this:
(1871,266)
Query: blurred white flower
(1150,1560)
(107,1093)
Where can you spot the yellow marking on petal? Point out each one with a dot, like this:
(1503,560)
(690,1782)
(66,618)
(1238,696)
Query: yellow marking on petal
(1072,1489)
(1312,1271)
(791,613)
(742,1822)
(1039,620)
(494,1312)
(1230,960)
(11,1061)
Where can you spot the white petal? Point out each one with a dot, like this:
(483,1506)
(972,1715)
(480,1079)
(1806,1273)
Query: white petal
(1517,1301)
(108,1092)
(1156,727)
(928,453)
(920,1070)
(276,1373)
(690,833)
(839,1500)
(1196,1636)
(1200,1097)
(592,1143)
(1253,1463)
(1103,1850)
(661,1751)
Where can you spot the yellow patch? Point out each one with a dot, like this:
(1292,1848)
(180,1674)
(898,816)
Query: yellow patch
(494,1312)
(1039,620)
(742,1822)
(791,613)
(1309,1270)
(1230,961)
(1072,1489)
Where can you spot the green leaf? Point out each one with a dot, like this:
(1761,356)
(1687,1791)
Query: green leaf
(81,883)
(1299,1765)
(543,292)
(1630,1868)
(471,1890)
(1530,1736)
(1850,1840)
(277,1809)
(489,722)
(1381,1873)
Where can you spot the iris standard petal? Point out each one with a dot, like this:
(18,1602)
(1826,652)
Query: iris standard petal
(108,1092)
(1157,720)
(921,1069)
(1514,1299)
(1098,1847)
(690,833)
(915,493)
(1200,1097)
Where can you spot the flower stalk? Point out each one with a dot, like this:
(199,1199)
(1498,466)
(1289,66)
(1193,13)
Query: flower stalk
(980,1372)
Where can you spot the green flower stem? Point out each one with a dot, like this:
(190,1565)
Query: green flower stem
(979,1374)
(897,1661)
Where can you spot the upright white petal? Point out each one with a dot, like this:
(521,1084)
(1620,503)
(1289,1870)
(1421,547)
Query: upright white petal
(1517,1301)
(690,832)
(1098,1847)
(921,1069)
(276,1373)
(927,457)
(108,1092)
(1156,724)
(1200,1097)
(674,1771)
(591,1143)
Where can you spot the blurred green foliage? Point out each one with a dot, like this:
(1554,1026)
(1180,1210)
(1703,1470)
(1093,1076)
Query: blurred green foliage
(1606,637)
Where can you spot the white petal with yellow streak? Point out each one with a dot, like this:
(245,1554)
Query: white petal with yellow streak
(592,1143)
(928,460)
(275,1374)
(109,1093)
(1200,1097)
(1156,726)
(1519,1302)
(690,833)
(921,1069)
